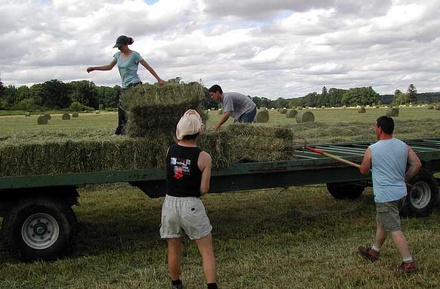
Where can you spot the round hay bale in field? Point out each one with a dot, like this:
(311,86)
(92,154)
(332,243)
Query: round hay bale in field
(75,114)
(393,111)
(306,116)
(47,115)
(42,119)
(262,116)
(437,107)
(291,113)
(431,107)
(362,110)
(27,113)
(282,110)
(97,111)
(65,116)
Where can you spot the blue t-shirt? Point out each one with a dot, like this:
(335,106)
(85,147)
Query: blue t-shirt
(389,160)
(128,68)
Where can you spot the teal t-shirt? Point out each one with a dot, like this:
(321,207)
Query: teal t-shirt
(128,68)
(389,158)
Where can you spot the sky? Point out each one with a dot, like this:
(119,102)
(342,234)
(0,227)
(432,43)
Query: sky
(276,48)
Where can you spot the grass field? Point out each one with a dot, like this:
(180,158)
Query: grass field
(298,237)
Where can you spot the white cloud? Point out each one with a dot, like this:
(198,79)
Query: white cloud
(265,48)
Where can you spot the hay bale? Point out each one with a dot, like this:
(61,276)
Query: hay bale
(392,111)
(362,109)
(282,110)
(306,116)
(47,115)
(75,114)
(291,113)
(430,106)
(152,108)
(42,119)
(65,116)
(262,116)
(437,107)
(97,111)
(252,143)
(27,113)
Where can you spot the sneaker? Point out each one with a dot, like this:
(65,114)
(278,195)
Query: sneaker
(409,267)
(180,286)
(368,253)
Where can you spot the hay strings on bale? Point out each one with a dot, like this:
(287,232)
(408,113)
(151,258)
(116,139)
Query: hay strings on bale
(152,108)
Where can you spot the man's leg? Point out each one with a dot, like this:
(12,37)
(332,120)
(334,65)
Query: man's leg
(401,244)
(381,235)
(174,252)
(206,250)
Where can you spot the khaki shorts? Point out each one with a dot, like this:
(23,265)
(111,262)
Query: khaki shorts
(184,215)
(387,214)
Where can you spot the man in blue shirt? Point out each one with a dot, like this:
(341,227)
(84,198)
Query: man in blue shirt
(388,159)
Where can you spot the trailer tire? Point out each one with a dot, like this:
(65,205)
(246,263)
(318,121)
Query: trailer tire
(40,229)
(422,195)
(345,190)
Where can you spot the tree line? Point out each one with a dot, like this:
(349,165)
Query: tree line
(85,95)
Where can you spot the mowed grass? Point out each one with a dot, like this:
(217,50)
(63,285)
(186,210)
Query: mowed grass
(297,237)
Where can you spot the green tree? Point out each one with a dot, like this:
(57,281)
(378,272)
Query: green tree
(55,94)
(412,94)
(84,92)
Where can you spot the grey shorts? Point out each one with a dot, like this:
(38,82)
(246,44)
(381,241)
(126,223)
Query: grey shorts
(387,214)
(184,215)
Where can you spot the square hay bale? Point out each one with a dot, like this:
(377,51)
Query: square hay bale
(152,108)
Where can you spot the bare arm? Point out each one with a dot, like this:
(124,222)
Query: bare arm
(205,162)
(151,70)
(103,67)
(224,118)
(414,165)
(366,163)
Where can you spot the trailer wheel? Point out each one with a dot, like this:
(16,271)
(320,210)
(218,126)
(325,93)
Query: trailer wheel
(39,229)
(422,195)
(345,190)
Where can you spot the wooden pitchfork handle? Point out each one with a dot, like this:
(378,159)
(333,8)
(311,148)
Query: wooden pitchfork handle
(318,151)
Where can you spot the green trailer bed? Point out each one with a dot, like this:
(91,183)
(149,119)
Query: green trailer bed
(39,223)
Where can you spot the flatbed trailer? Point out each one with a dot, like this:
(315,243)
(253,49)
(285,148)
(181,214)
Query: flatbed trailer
(39,223)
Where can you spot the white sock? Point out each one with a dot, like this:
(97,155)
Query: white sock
(375,248)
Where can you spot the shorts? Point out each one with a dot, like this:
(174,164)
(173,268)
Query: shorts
(184,215)
(387,214)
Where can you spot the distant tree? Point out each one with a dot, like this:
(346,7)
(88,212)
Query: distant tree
(55,94)
(84,92)
(280,103)
(257,101)
(360,96)
(412,94)
(2,89)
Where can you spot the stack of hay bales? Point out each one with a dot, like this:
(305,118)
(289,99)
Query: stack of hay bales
(152,108)
(153,113)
